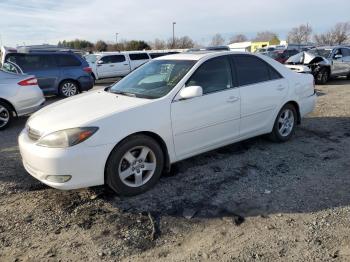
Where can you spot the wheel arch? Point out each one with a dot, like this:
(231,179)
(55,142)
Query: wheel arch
(153,135)
(297,108)
(69,79)
(10,105)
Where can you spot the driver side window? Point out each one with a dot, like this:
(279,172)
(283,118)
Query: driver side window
(213,75)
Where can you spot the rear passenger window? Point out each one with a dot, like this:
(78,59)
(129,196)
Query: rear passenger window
(345,52)
(67,60)
(139,56)
(117,58)
(213,75)
(252,70)
(33,62)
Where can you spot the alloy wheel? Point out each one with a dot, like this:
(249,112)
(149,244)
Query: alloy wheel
(4,116)
(69,89)
(286,122)
(137,166)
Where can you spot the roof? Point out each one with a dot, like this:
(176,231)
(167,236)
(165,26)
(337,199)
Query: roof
(196,56)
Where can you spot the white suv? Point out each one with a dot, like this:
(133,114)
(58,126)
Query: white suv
(115,64)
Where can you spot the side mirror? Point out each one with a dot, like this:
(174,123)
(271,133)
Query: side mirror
(338,56)
(190,92)
(100,62)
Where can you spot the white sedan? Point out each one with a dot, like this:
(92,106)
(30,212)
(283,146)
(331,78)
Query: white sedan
(171,108)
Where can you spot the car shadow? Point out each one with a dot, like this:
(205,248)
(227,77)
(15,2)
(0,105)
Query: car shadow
(257,177)
(251,178)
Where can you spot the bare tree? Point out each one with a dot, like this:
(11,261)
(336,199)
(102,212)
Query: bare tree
(238,38)
(265,36)
(158,44)
(300,34)
(183,42)
(217,40)
(341,33)
(337,35)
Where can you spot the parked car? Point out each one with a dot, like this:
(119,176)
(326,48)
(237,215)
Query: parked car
(282,55)
(19,94)
(210,48)
(324,62)
(170,109)
(63,73)
(115,64)
(265,49)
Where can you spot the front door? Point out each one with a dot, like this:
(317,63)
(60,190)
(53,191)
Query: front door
(211,120)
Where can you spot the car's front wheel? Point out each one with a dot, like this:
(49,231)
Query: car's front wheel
(68,88)
(135,165)
(284,125)
(5,115)
(322,76)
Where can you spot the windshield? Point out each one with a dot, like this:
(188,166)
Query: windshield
(91,58)
(320,52)
(154,79)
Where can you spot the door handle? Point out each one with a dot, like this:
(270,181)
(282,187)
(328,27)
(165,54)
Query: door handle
(125,64)
(111,65)
(232,99)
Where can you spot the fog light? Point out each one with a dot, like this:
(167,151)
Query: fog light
(58,179)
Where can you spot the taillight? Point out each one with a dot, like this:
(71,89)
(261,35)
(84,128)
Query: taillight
(29,82)
(87,70)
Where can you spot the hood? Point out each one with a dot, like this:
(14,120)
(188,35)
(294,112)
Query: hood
(81,110)
(305,58)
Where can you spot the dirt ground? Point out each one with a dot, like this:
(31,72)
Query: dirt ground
(254,200)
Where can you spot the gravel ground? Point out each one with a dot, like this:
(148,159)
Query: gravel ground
(254,200)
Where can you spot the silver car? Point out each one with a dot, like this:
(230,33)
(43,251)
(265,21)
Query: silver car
(19,94)
(324,62)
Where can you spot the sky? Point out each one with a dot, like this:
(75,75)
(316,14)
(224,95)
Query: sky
(49,21)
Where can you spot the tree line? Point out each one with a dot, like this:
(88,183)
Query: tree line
(303,34)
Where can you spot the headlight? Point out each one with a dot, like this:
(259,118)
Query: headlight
(67,137)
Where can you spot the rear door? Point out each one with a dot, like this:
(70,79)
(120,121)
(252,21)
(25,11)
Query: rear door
(119,65)
(43,67)
(138,59)
(262,91)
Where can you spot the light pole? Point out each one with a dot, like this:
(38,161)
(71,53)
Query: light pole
(116,38)
(174,23)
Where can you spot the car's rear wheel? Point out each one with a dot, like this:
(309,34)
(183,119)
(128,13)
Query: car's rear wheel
(135,165)
(284,125)
(322,77)
(5,115)
(68,88)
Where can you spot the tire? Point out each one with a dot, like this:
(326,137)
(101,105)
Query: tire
(6,115)
(322,77)
(348,77)
(68,88)
(285,123)
(128,171)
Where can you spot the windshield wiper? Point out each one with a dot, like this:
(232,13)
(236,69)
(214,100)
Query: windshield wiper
(123,93)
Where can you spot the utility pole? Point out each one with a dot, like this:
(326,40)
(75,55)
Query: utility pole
(174,23)
(116,38)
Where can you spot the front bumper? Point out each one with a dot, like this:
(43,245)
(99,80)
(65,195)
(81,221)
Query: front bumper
(83,163)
